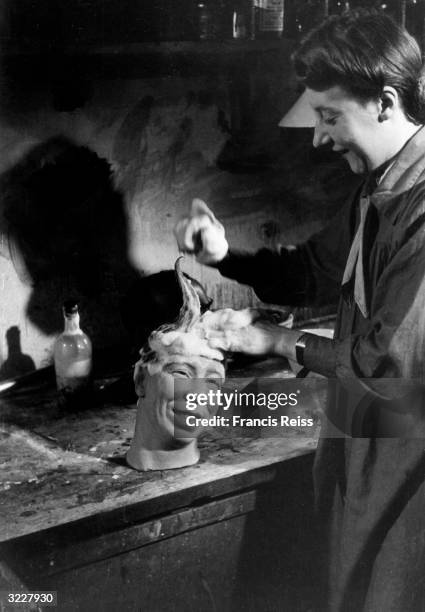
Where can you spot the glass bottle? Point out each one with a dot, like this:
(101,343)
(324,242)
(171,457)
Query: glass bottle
(269,18)
(336,7)
(240,16)
(301,17)
(207,20)
(72,354)
(413,15)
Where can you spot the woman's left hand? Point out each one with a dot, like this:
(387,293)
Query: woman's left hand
(260,338)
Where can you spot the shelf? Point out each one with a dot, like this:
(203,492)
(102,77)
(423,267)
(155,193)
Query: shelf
(134,60)
(202,47)
(165,48)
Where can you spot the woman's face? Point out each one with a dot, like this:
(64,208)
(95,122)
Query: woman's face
(351,127)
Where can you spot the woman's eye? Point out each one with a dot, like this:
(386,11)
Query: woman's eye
(330,121)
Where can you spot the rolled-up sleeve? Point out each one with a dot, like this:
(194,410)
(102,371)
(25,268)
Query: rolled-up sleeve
(320,355)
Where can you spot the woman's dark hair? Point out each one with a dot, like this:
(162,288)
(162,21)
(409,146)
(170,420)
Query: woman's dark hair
(362,51)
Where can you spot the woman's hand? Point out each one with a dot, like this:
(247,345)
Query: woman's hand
(260,338)
(202,234)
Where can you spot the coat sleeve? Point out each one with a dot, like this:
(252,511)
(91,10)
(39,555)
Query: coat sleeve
(307,275)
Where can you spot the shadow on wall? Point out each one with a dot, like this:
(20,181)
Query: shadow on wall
(16,363)
(67,232)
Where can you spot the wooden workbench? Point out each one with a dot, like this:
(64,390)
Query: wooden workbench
(72,512)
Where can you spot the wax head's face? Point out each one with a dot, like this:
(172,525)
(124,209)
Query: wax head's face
(165,389)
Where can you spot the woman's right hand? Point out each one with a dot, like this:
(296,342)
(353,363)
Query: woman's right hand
(202,234)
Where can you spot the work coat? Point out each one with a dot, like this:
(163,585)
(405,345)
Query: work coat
(370,462)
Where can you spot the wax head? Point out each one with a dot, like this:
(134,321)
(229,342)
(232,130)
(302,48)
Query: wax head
(163,439)
(179,351)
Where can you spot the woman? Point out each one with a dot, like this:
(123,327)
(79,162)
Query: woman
(363,78)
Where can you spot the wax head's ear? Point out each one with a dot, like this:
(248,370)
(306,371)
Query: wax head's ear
(139,380)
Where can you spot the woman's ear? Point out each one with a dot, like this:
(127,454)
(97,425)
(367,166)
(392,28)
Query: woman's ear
(389,102)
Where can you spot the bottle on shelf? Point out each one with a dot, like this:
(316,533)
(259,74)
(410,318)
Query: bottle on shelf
(336,7)
(301,17)
(72,355)
(208,19)
(240,20)
(269,18)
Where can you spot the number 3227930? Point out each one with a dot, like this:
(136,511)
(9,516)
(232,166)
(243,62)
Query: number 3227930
(37,597)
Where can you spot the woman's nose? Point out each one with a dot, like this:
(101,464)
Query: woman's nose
(321,137)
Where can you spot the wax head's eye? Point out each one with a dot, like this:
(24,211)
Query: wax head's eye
(214,376)
(214,382)
(179,370)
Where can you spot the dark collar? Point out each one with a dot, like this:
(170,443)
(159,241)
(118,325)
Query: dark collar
(372,179)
